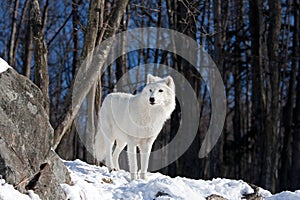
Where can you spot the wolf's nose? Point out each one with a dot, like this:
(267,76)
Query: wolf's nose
(151,99)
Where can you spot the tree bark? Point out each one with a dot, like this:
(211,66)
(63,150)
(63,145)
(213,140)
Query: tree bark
(27,50)
(75,22)
(40,52)
(219,29)
(272,125)
(288,116)
(122,60)
(258,91)
(238,109)
(220,23)
(295,174)
(45,14)
(19,29)
(12,40)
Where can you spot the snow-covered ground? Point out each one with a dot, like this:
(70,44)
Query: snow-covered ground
(7,192)
(92,182)
(3,65)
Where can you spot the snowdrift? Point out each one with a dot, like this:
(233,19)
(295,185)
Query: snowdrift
(92,182)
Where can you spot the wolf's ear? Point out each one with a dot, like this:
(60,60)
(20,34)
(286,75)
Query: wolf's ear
(170,83)
(150,79)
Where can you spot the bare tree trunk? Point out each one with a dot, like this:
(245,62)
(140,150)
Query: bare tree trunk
(12,40)
(75,21)
(40,52)
(45,14)
(105,11)
(19,29)
(288,115)
(272,125)
(92,28)
(113,24)
(27,50)
(258,91)
(72,139)
(121,61)
(238,117)
(218,42)
(220,20)
(295,182)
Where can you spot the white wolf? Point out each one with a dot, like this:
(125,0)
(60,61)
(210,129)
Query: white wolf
(135,121)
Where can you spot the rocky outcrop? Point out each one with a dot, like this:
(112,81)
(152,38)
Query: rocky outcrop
(26,136)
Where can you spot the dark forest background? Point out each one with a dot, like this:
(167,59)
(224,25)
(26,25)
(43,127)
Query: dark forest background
(254,43)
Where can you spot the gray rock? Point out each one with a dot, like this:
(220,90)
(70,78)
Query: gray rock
(26,137)
(215,197)
(58,167)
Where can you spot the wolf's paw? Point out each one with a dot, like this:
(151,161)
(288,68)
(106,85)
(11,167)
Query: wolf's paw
(133,176)
(144,176)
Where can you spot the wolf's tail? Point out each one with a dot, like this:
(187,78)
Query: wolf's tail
(99,144)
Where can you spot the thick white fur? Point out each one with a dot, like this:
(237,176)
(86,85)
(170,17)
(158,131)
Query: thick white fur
(132,120)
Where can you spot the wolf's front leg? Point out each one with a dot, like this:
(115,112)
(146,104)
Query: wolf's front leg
(145,154)
(131,151)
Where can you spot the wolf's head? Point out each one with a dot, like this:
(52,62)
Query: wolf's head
(160,91)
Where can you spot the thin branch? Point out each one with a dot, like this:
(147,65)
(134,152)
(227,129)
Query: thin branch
(59,29)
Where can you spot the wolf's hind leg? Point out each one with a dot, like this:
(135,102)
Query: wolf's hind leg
(119,147)
(108,150)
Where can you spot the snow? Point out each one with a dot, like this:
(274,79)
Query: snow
(3,65)
(285,195)
(91,182)
(7,192)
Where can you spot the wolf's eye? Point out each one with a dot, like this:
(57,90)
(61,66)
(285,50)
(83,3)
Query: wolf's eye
(160,90)
(150,90)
